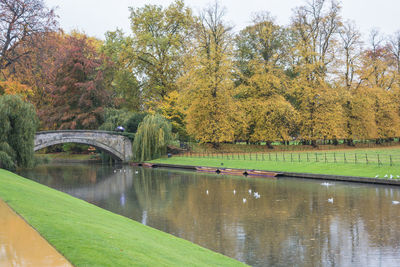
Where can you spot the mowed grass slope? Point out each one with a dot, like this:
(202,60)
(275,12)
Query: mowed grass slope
(90,236)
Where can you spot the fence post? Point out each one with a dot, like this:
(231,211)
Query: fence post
(366,158)
(283,155)
(250,156)
(308,159)
(355,158)
(379,161)
(262,155)
(299,157)
(291,157)
(325,158)
(276,156)
(269,156)
(391,161)
(344,155)
(256,157)
(334,157)
(316,157)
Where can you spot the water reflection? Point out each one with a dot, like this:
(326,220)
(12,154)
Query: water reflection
(292,222)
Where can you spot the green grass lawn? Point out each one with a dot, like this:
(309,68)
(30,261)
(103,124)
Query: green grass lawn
(346,169)
(380,156)
(90,236)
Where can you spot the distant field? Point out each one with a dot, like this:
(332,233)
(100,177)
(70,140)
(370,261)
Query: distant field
(356,162)
(375,156)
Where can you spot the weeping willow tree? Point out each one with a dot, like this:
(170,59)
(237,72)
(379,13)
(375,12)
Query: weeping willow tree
(18,124)
(152,137)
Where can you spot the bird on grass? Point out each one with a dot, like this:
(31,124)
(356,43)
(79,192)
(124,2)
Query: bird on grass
(207,192)
(244,200)
(377,176)
(234,191)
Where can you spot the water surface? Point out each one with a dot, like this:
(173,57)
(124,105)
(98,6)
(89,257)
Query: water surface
(293,222)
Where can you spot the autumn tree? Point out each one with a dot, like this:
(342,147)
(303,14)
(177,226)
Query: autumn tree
(207,86)
(76,87)
(351,50)
(315,29)
(377,77)
(158,42)
(260,57)
(376,68)
(394,48)
(20,22)
(172,109)
(33,72)
(121,73)
(13,87)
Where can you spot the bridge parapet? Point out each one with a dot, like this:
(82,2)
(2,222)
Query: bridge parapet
(120,147)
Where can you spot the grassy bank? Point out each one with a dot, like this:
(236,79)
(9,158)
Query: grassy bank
(90,236)
(346,169)
(64,156)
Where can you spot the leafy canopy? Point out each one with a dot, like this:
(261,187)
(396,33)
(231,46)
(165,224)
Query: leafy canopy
(18,124)
(152,138)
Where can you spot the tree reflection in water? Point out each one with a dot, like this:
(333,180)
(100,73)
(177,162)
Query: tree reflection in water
(291,223)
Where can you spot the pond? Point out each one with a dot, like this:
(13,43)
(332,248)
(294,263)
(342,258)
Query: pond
(259,221)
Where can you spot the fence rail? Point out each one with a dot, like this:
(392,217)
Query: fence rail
(324,157)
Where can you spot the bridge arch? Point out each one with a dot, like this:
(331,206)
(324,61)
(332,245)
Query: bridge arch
(118,146)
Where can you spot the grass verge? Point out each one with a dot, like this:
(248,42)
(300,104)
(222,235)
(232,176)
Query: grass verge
(345,169)
(90,236)
(67,156)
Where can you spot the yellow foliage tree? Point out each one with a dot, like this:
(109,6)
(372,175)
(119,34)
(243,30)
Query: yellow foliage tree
(273,119)
(360,112)
(172,110)
(12,87)
(207,84)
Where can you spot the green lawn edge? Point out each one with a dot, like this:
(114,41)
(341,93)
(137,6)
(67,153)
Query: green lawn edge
(90,236)
(358,170)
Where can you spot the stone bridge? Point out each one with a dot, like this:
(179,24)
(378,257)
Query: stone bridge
(118,146)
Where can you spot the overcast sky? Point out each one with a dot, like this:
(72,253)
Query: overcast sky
(95,17)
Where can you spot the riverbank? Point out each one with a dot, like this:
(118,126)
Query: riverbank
(21,245)
(90,236)
(67,157)
(321,168)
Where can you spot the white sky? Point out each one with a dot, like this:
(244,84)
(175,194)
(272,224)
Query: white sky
(95,17)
